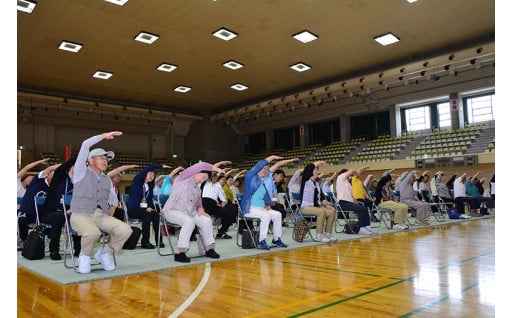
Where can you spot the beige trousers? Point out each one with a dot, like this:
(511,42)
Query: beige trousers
(324,218)
(88,226)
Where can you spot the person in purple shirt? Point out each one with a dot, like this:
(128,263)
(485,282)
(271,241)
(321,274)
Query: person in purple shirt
(185,207)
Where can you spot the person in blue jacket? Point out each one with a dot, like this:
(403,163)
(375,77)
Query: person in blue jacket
(141,205)
(256,203)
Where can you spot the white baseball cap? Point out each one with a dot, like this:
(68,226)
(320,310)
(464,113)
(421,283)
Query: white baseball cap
(101,152)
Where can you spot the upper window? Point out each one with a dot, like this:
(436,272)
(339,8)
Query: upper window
(445,118)
(418,118)
(480,108)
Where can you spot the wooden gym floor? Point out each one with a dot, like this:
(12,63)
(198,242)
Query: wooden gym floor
(443,271)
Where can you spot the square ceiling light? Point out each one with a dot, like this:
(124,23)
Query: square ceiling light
(146,37)
(386,39)
(70,46)
(305,36)
(182,89)
(300,67)
(102,75)
(166,67)
(118,2)
(234,65)
(225,34)
(239,87)
(26,6)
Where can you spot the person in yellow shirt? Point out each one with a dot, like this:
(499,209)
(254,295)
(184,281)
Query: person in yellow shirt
(360,193)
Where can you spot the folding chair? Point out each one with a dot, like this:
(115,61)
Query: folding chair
(124,201)
(68,241)
(435,209)
(298,215)
(246,221)
(386,216)
(164,226)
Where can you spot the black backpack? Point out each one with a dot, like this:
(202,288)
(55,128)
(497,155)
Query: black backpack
(351,227)
(34,245)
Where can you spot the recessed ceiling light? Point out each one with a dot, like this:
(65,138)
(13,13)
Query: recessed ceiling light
(300,67)
(234,65)
(102,75)
(166,67)
(386,39)
(26,6)
(118,2)
(239,87)
(225,34)
(70,46)
(146,37)
(305,36)
(182,89)
(411,1)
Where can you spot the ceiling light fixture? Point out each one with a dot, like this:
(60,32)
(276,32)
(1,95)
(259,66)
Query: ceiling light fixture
(146,37)
(118,2)
(300,67)
(166,67)
(305,36)
(26,6)
(224,34)
(102,75)
(182,89)
(239,87)
(234,65)
(386,39)
(70,46)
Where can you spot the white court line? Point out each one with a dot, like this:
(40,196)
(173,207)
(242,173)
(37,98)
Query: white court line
(194,295)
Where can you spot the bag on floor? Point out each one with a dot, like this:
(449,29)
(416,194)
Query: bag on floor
(453,213)
(300,230)
(132,241)
(247,240)
(34,245)
(351,227)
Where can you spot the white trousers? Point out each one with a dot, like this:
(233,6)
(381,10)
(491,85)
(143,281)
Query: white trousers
(188,223)
(265,217)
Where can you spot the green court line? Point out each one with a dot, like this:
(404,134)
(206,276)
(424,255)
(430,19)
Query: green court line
(422,308)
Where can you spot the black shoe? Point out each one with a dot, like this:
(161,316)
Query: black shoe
(223,236)
(212,254)
(161,245)
(147,245)
(55,256)
(182,258)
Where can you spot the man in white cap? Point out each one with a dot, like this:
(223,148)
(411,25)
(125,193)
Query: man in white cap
(93,196)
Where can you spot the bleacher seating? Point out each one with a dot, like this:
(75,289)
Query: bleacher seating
(336,151)
(384,147)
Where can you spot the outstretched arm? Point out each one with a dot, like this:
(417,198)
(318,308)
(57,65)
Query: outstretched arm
(120,169)
(282,163)
(175,171)
(23,171)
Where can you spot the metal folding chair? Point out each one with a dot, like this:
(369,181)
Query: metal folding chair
(246,221)
(68,241)
(298,215)
(437,210)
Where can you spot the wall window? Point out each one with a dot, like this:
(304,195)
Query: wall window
(444,114)
(480,108)
(417,118)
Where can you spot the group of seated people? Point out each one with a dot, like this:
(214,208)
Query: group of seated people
(197,195)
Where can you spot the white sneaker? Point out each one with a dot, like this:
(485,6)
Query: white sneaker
(330,237)
(369,228)
(322,238)
(84,264)
(106,260)
(365,231)
(399,227)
